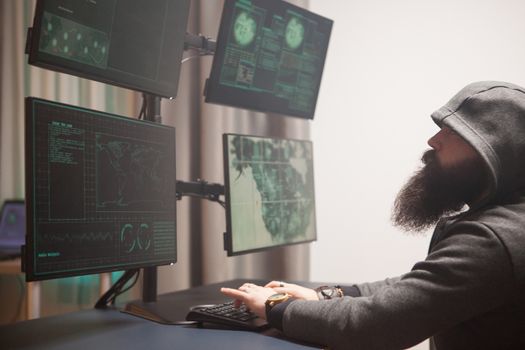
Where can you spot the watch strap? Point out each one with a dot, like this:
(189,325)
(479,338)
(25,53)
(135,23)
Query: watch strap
(275,315)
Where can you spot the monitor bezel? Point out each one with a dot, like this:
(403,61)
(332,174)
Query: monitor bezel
(46,61)
(28,251)
(235,97)
(228,235)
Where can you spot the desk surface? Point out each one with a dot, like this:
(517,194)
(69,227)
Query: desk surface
(10,267)
(111,329)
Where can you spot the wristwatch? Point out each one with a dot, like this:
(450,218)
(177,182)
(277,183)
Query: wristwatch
(275,299)
(326,292)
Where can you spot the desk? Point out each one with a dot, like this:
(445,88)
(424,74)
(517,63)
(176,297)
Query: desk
(111,329)
(33,289)
(13,267)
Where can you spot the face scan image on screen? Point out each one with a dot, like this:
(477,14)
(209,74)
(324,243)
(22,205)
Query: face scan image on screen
(135,44)
(269,57)
(269,192)
(100,191)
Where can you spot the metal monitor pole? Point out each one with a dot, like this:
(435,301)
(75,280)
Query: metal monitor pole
(149,277)
(166,311)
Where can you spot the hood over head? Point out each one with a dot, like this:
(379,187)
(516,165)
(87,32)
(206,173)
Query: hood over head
(490,116)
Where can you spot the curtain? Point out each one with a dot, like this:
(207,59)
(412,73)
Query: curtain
(199,129)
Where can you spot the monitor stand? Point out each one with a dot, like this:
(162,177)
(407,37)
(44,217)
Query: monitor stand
(149,307)
(166,311)
(163,310)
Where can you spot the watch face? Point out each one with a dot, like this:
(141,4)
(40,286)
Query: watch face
(277,297)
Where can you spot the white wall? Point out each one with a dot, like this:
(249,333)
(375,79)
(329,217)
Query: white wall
(390,64)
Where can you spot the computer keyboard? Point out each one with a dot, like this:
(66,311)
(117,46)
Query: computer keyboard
(228,315)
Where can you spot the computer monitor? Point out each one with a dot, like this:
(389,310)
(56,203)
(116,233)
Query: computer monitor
(269,57)
(269,188)
(100,192)
(12,228)
(134,44)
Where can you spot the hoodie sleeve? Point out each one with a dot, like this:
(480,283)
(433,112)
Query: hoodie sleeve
(467,273)
(370,288)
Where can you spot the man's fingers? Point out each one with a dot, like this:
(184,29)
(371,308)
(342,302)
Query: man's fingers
(274,284)
(281,290)
(234,293)
(287,290)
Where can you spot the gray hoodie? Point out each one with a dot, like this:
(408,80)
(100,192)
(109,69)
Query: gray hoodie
(469,293)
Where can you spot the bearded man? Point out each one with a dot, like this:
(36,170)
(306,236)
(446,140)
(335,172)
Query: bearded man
(469,292)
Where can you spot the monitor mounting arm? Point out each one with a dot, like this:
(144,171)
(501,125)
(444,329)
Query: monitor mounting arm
(204,45)
(200,189)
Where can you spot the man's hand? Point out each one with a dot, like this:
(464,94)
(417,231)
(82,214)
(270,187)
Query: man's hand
(253,296)
(294,290)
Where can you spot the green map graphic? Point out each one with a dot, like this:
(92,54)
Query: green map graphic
(272,191)
(131,175)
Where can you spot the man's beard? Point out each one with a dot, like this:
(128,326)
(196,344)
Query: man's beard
(433,192)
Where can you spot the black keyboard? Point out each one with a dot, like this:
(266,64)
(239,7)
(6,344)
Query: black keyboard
(228,315)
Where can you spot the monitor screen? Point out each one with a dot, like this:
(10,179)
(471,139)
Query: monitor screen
(269,187)
(100,192)
(12,226)
(135,44)
(269,57)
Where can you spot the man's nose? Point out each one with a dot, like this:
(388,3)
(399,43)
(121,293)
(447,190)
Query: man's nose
(435,141)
